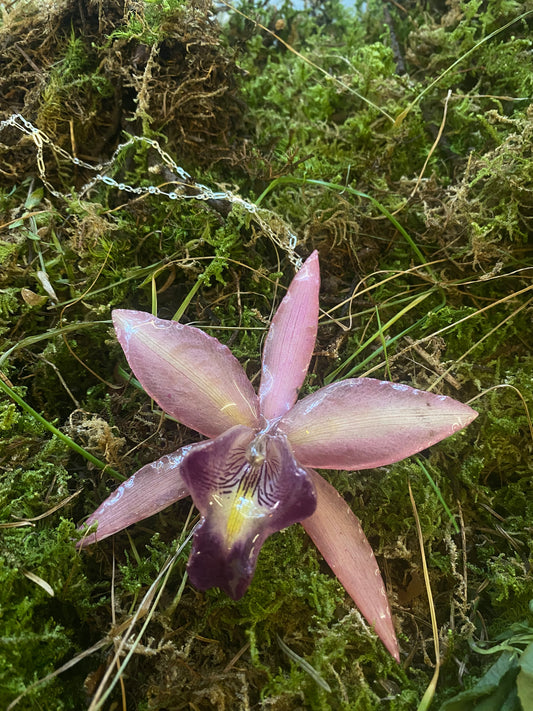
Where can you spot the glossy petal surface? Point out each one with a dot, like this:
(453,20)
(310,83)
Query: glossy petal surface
(246,486)
(191,375)
(337,533)
(362,423)
(290,342)
(148,491)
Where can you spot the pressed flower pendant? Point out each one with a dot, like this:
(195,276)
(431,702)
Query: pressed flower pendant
(255,474)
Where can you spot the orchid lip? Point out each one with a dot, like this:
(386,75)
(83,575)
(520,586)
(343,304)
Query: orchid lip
(247,485)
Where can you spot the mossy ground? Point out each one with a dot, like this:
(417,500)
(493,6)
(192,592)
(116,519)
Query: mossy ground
(426,279)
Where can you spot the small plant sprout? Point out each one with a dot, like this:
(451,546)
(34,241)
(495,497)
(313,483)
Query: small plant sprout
(255,474)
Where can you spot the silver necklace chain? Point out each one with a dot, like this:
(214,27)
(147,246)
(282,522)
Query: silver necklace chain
(283,236)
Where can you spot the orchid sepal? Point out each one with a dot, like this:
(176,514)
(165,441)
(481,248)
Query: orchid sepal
(290,342)
(337,533)
(363,423)
(151,489)
(180,367)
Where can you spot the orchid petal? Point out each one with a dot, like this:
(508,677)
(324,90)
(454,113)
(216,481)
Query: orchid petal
(290,342)
(337,533)
(362,423)
(191,375)
(246,486)
(148,491)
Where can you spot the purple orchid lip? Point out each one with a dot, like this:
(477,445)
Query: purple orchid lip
(246,485)
(255,474)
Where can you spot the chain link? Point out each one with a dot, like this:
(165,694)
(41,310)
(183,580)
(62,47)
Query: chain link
(283,236)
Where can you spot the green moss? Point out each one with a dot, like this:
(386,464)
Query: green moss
(34,481)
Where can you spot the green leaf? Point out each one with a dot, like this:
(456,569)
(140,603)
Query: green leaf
(495,691)
(524,680)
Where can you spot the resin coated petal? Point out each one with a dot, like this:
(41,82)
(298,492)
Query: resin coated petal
(191,375)
(290,342)
(337,533)
(148,491)
(246,486)
(362,423)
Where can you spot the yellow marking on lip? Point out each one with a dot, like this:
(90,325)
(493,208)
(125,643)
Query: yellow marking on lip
(243,511)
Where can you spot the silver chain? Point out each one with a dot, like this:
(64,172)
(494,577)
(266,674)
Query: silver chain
(287,240)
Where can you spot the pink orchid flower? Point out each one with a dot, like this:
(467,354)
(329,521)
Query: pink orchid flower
(254,475)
